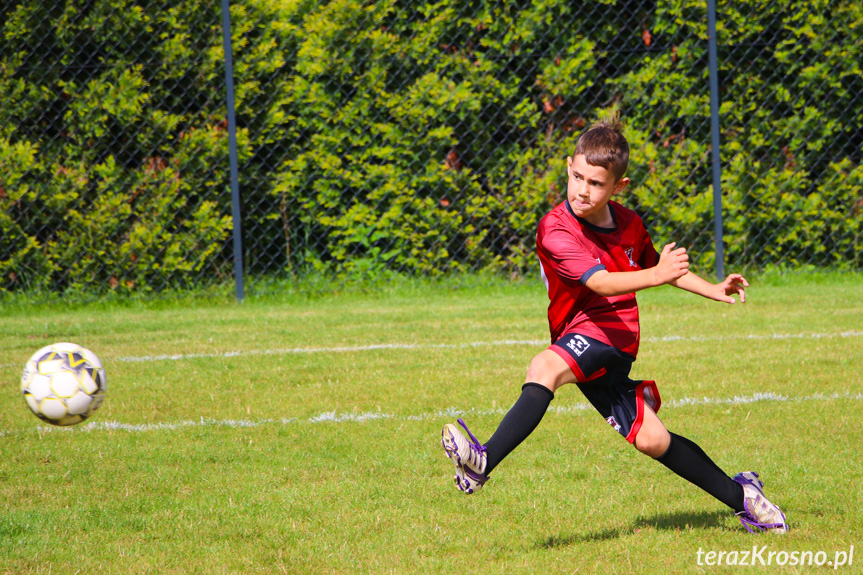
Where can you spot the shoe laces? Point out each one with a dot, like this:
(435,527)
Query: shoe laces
(749,522)
(478,450)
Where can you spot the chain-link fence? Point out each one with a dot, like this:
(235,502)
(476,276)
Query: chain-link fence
(414,138)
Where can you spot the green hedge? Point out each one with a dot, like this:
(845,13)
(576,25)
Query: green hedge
(792,143)
(110,147)
(421,137)
(430,137)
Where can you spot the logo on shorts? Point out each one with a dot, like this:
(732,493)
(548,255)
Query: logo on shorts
(613,423)
(578,344)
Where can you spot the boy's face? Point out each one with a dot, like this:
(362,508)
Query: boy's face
(589,188)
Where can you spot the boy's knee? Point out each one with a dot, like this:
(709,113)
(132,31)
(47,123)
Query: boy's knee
(547,369)
(653,442)
(538,368)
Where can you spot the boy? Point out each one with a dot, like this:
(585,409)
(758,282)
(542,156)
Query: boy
(594,255)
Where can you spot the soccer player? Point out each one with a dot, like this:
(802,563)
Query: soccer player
(594,255)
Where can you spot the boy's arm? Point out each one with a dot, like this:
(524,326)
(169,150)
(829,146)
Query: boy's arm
(673,265)
(723,291)
(673,269)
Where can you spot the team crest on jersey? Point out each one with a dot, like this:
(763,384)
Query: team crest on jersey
(578,344)
(613,423)
(628,252)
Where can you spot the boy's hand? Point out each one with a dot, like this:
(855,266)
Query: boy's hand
(734,284)
(673,264)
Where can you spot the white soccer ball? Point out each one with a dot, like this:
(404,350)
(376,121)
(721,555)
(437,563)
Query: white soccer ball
(63,383)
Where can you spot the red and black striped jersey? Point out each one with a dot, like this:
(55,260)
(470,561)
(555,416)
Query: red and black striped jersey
(570,251)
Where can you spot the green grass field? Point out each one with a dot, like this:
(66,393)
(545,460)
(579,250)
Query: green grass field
(302,435)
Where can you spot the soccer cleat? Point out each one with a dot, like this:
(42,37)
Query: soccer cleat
(467,455)
(759,513)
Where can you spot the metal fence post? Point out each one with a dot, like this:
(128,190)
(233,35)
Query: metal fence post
(232,144)
(714,131)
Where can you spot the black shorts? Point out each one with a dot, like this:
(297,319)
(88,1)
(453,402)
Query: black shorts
(602,373)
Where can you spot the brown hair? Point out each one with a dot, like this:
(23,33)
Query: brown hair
(604,145)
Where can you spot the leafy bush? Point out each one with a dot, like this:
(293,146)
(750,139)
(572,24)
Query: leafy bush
(112,159)
(431,137)
(419,138)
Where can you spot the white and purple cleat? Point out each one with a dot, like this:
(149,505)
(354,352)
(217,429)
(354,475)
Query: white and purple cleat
(467,455)
(760,514)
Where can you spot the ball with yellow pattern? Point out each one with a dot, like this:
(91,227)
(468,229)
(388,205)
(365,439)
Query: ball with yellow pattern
(63,383)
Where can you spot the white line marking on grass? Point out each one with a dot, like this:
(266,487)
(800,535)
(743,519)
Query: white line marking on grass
(339,418)
(340,349)
(774,336)
(417,346)
(506,342)
(443,414)
(309,350)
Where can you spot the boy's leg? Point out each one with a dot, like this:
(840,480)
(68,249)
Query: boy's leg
(688,460)
(518,423)
(546,372)
(743,493)
(473,461)
(652,439)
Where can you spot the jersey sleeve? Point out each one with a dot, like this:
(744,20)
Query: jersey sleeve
(569,261)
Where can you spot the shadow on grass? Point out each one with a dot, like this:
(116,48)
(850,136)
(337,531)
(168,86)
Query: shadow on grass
(684,520)
(576,538)
(663,521)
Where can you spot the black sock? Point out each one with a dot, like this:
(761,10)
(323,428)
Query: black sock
(689,461)
(518,423)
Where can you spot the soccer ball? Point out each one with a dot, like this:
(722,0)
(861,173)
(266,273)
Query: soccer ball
(63,383)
